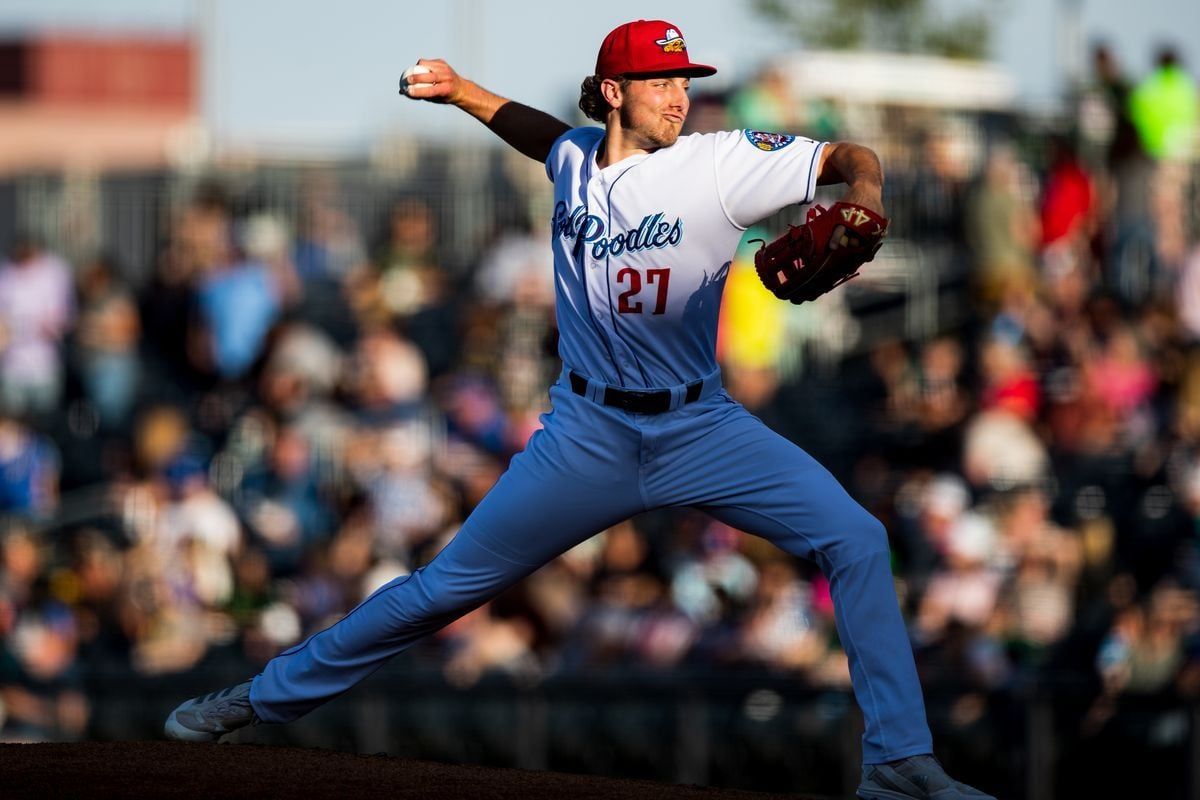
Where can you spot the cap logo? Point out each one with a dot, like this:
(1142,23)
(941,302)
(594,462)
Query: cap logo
(769,142)
(671,42)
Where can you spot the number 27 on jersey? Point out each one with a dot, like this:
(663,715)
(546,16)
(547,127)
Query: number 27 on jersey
(657,277)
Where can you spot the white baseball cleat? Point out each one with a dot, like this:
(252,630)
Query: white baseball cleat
(209,717)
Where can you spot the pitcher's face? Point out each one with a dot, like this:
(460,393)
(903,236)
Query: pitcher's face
(654,109)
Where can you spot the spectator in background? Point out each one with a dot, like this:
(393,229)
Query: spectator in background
(965,591)
(781,630)
(930,507)
(166,629)
(1128,242)
(1143,652)
(1002,228)
(1165,109)
(1043,562)
(517,270)
(281,501)
(944,402)
(1009,382)
(1115,89)
(712,574)
(392,468)
(1188,488)
(107,338)
(483,642)
(765,103)
(327,254)
(196,534)
(1151,236)
(41,679)
(41,687)
(1068,204)
(1001,450)
(939,180)
(898,387)
(638,621)
(768,103)
(328,245)
(29,469)
(22,562)
(475,415)
(239,298)
(297,385)
(526,363)
(178,360)
(1120,375)
(1187,294)
(390,455)
(407,261)
(708,114)
(515,282)
(97,567)
(179,570)
(387,378)
(407,286)
(37,309)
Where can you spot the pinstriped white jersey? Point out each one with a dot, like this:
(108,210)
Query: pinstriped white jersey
(642,247)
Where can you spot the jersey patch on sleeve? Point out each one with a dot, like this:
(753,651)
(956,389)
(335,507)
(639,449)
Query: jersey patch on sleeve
(769,142)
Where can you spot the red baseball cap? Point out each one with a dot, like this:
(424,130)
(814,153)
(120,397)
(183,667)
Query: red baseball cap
(647,47)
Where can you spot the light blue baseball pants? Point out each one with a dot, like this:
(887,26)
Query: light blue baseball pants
(592,466)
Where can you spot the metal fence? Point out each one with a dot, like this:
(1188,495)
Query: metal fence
(757,732)
(127,215)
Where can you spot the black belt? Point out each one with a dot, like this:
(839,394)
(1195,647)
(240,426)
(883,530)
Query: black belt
(650,401)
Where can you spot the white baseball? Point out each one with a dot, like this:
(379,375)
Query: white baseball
(415,69)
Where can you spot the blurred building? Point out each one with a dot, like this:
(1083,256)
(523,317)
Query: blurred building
(94,101)
(900,79)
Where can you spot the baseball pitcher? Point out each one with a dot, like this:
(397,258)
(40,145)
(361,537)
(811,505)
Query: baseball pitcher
(644,226)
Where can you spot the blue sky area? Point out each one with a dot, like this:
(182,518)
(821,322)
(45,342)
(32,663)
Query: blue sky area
(322,74)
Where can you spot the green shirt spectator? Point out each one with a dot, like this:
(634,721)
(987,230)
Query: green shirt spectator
(1164,109)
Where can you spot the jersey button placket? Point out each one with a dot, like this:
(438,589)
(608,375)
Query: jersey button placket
(596,198)
(596,276)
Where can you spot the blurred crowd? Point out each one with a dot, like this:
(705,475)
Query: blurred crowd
(294,410)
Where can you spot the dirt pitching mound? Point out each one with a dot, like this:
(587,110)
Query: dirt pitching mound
(172,769)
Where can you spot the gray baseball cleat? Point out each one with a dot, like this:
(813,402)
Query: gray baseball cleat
(913,778)
(211,716)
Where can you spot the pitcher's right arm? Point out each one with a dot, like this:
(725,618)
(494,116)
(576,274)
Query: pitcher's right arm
(525,129)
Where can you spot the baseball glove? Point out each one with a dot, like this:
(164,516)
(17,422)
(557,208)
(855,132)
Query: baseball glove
(822,254)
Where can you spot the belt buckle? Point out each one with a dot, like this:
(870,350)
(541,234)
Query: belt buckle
(638,401)
(624,399)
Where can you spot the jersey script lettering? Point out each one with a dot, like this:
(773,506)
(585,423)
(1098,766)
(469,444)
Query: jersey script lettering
(651,233)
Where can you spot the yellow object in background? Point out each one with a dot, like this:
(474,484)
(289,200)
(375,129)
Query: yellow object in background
(753,321)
